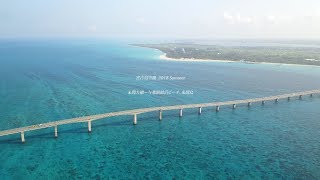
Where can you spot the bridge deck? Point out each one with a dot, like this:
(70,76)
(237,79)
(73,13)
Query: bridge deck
(145,110)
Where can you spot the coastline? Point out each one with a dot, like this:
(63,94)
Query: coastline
(164,57)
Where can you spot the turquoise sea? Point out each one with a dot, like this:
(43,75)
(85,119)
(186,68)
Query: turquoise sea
(47,80)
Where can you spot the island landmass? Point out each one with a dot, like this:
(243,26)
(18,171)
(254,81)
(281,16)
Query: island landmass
(246,54)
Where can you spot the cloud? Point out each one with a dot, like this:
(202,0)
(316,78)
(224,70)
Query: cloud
(241,19)
(271,19)
(228,18)
(237,19)
(140,20)
(92,28)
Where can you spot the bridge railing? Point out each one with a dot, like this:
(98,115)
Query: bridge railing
(135,112)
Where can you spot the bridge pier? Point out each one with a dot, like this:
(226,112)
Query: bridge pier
(160,115)
(89,126)
(55,131)
(22,137)
(249,104)
(234,106)
(135,119)
(135,112)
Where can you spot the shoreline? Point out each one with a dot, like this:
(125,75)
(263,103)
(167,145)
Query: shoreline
(164,57)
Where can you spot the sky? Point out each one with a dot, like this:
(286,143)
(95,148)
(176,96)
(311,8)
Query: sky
(297,19)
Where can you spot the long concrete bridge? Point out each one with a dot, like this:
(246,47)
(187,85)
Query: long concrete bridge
(135,112)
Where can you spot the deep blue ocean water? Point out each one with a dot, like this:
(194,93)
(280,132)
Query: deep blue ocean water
(47,80)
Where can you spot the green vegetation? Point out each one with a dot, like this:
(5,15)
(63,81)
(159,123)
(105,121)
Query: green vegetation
(288,55)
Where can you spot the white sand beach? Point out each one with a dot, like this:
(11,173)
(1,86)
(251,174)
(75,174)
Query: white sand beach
(164,57)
